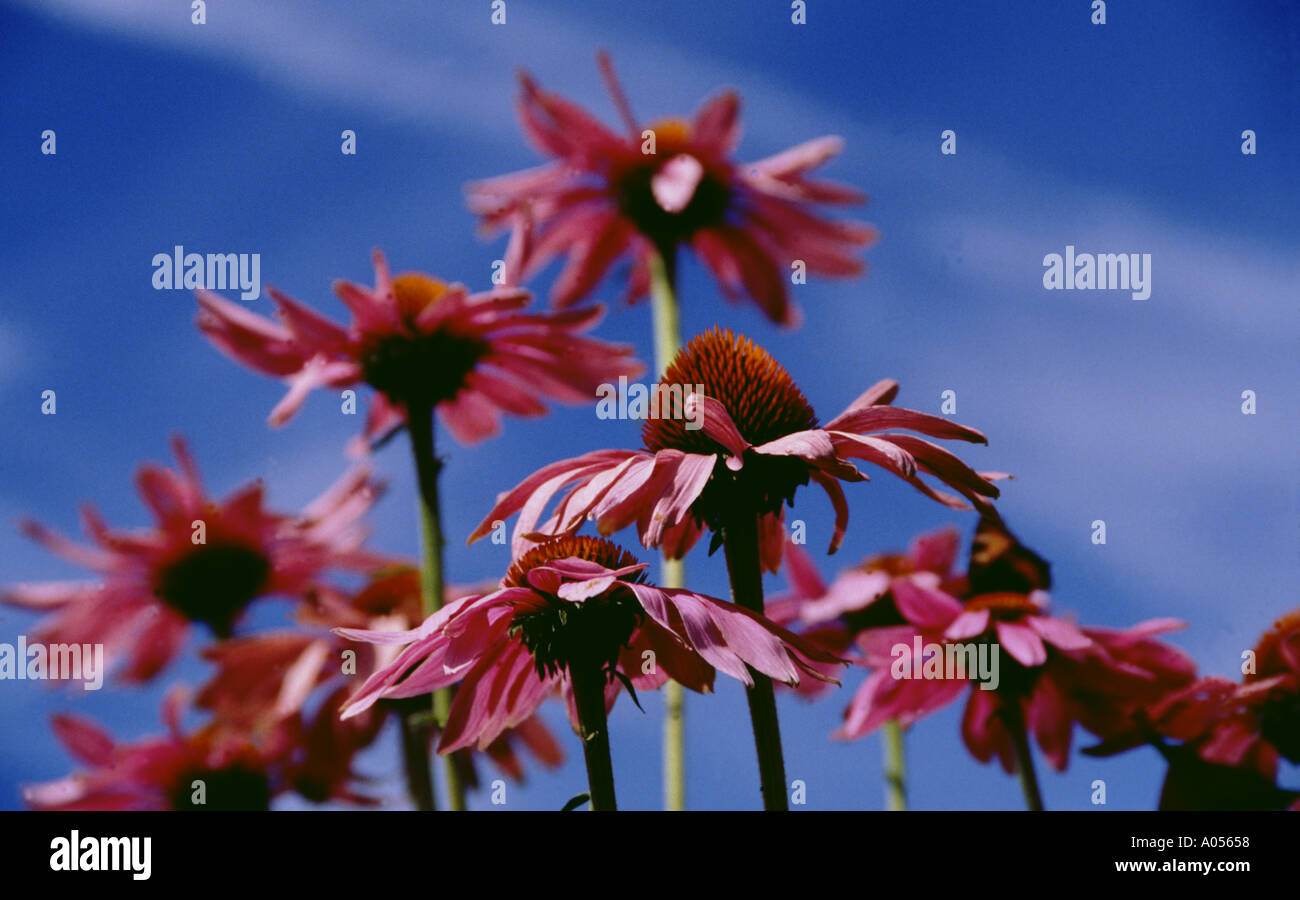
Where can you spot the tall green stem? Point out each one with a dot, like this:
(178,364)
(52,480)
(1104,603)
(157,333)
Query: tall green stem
(667,332)
(427,469)
(587,678)
(415,759)
(895,767)
(740,543)
(1015,725)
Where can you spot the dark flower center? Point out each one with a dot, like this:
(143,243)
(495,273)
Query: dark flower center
(559,632)
(999,562)
(1279,723)
(236,787)
(213,583)
(634,192)
(764,402)
(880,613)
(423,369)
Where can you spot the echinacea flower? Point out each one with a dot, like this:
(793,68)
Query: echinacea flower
(1050,675)
(755,442)
(420,342)
(832,615)
(267,679)
(571,602)
(203,562)
(650,189)
(213,768)
(1232,736)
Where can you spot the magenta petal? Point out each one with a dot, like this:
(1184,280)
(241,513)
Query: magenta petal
(1022,642)
(924,606)
(968,625)
(1059,632)
(717,423)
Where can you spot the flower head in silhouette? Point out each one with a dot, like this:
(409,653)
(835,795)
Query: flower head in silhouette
(422,342)
(203,562)
(568,601)
(740,443)
(652,188)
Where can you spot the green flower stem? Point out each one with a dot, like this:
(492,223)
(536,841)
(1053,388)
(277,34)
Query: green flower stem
(427,469)
(667,332)
(587,678)
(895,767)
(1015,725)
(740,543)
(415,759)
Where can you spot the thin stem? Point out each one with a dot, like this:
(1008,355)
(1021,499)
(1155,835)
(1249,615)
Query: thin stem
(740,542)
(587,678)
(674,715)
(427,469)
(667,313)
(895,767)
(1015,724)
(667,333)
(415,758)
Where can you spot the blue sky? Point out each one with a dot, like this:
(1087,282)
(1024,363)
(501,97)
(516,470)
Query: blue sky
(1116,138)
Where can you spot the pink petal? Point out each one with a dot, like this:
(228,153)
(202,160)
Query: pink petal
(674,185)
(968,625)
(717,423)
(924,606)
(1022,642)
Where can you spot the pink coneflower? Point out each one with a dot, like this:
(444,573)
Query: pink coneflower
(269,678)
(203,562)
(423,343)
(574,614)
(736,441)
(213,768)
(1233,735)
(859,598)
(1054,673)
(608,195)
(758,441)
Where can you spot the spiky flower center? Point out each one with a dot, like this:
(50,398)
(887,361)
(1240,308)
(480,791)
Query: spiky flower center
(765,404)
(420,368)
(558,632)
(213,583)
(413,293)
(756,390)
(633,185)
